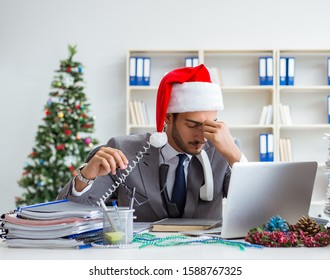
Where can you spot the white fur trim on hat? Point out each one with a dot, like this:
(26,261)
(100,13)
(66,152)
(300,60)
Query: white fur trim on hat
(194,97)
(158,139)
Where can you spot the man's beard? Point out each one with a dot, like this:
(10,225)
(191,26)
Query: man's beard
(178,141)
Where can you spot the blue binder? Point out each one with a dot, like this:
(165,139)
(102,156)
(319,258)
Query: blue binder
(188,62)
(132,71)
(328,71)
(269,71)
(139,71)
(328,109)
(263,147)
(270,147)
(283,77)
(290,71)
(195,61)
(262,71)
(146,71)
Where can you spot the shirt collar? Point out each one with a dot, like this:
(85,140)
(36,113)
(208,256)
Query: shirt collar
(169,153)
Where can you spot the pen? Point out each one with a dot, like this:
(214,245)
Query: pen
(108,216)
(114,204)
(132,199)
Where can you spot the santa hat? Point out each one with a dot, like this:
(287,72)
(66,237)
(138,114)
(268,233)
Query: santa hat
(187,89)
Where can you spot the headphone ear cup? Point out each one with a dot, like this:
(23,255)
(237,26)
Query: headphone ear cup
(206,191)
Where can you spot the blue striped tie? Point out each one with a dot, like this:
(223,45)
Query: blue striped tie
(179,189)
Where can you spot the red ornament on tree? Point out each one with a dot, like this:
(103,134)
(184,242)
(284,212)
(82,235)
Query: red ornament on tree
(67,132)
(60,147)
(68,69)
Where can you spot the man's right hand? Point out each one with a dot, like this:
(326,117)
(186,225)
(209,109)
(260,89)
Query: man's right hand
(106,160)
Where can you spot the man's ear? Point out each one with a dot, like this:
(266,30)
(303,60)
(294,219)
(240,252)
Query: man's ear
(168,118)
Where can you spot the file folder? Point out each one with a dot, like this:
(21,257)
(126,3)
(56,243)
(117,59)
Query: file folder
(270,147)
(139,71)
(263,147)
(195,61)
(328,71)
(269,71)
(283,78)
(146,71)
(262,71)
(132,71)
(188,62)
(290,71)
(328,109)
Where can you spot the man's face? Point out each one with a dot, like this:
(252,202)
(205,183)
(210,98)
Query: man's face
(185,132)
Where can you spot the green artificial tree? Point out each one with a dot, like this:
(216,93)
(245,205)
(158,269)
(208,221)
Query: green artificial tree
(63,139)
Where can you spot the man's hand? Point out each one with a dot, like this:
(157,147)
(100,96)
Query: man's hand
(106,160)
(217,132)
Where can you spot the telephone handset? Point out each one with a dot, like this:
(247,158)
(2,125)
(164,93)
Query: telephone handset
(126,172)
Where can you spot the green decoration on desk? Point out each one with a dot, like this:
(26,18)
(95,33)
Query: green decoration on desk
(63,139)
(148,239)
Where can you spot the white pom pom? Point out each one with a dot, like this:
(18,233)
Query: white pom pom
(158,139)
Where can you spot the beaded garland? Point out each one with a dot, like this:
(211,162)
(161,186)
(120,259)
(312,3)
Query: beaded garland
(147,239)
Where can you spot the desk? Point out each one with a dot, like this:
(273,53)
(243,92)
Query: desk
(184,252)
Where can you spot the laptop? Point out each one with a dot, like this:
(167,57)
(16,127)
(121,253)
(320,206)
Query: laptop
(260,190)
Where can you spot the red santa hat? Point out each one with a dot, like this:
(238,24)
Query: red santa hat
(187,89)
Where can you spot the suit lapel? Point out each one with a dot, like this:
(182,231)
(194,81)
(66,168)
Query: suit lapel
(149,172)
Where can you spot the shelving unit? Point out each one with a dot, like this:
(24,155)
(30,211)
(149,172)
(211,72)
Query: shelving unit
(244,98)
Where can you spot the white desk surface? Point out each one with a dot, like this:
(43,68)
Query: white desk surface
(184,252)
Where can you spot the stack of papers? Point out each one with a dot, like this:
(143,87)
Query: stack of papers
(58,224)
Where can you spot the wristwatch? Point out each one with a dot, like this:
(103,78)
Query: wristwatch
(80,177)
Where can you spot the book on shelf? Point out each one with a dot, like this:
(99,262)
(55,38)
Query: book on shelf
(184,224)
(139,71)
(285,150)
(133,117)
(285,114)
(139,113)
(266,116)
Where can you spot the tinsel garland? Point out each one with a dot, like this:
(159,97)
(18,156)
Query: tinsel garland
(270,235)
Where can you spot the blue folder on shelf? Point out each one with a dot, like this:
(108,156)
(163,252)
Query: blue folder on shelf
(283,72)
(290,71)
(262,71)
(269,71)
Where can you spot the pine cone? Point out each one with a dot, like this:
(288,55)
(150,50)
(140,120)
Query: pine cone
(308,226)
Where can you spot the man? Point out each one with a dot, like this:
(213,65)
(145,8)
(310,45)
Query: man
(187,107)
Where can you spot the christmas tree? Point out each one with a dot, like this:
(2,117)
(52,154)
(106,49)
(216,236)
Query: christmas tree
(63,139)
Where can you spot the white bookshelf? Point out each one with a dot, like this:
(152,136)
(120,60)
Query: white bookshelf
(307,100)
(244,98)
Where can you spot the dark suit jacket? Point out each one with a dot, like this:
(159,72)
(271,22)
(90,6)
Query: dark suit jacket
(149,181)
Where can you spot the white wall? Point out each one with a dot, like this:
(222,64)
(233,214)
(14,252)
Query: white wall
(34,35)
